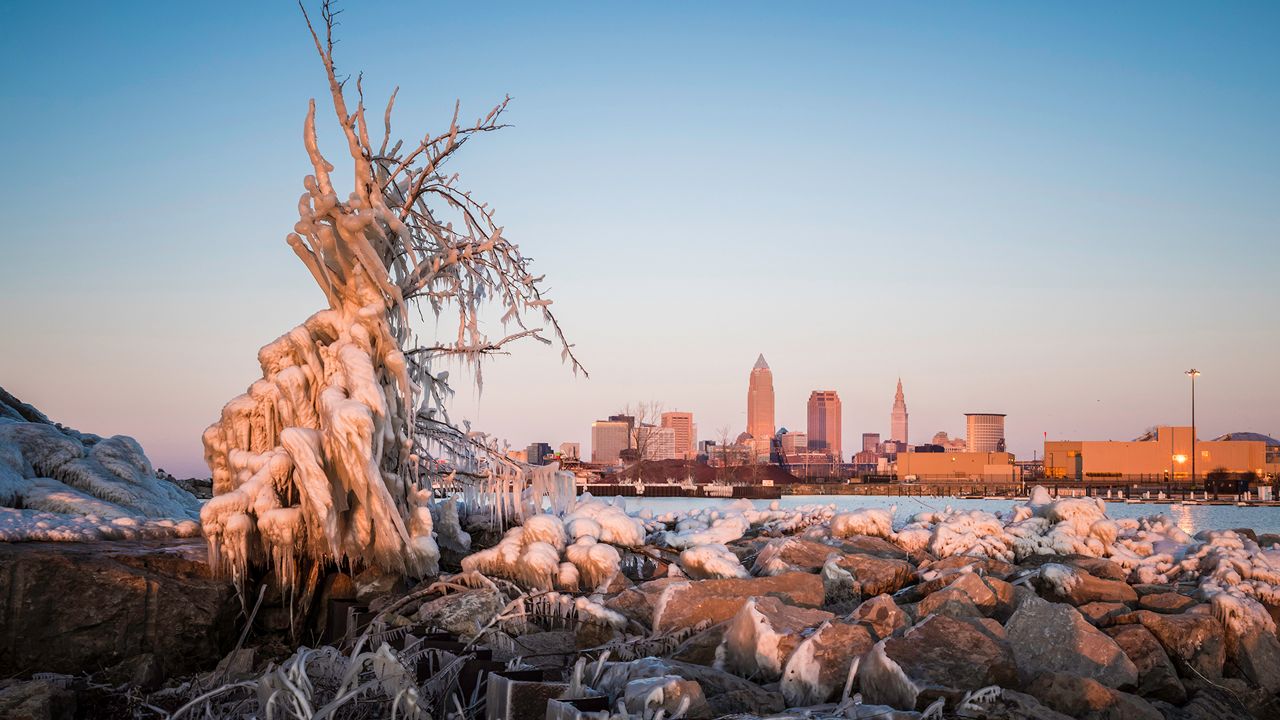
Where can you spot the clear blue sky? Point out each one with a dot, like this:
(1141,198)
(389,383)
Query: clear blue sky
(1048,211)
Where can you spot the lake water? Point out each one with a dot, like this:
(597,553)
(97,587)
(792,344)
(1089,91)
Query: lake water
(1191,518)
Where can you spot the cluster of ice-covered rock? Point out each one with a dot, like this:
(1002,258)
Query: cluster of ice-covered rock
(58,484)
(1051,607)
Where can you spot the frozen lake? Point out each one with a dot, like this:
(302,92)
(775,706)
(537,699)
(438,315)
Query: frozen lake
(1190,518)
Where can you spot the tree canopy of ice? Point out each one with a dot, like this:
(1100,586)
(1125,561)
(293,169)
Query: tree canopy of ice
(62,485)
(332,454)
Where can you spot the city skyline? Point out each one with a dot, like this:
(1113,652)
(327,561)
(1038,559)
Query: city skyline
(1097,195)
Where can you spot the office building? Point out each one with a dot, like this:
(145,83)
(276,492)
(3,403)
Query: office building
(824,423)
(984,432)
(686,433)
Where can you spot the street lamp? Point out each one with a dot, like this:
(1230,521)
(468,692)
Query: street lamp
(1193,374)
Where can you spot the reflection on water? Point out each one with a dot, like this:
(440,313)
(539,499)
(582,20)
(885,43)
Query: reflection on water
(1190,518)
(1182,516)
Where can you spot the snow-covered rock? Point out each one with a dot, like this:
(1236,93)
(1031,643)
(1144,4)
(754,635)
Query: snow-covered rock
(57,484)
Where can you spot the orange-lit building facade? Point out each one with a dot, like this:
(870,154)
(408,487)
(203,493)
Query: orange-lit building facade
(760,423)
(686,433)
(1166,454)
(824,423)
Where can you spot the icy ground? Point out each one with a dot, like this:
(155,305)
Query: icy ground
(57,484)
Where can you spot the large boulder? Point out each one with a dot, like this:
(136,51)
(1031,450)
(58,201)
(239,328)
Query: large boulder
(1157,678)
(1166,602)
(1088,699)
(1053,637)
(1193,641)
(726,694)
(940,657)
(817,670)
(881,616)
(463,614)
(76,607)
(989,596)
(1103,614)
(867,545)
(984,565)
(35,700)
(685,604)
(637,603)
(791,554)
(874,575)
(1254,650)
(1098,567)
(1064,583)
(763,634)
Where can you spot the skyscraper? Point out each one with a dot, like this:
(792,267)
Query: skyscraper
(686,433)
(608,439)
(760,402)
(824,423)
(898,419)
(984,432)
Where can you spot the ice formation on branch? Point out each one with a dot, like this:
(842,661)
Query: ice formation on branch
(60,484)
(334,452)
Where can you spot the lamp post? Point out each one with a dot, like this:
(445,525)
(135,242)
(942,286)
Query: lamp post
(1193,374)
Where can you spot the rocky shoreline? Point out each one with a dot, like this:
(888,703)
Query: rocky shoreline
(734,612)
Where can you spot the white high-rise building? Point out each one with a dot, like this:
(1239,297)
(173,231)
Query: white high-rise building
(898,418)
(656,443)
(984,432)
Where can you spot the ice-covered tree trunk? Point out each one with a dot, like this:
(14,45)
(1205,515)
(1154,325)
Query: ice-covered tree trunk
(331,455)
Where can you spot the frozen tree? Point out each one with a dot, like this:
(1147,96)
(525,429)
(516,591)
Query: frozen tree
(332,455)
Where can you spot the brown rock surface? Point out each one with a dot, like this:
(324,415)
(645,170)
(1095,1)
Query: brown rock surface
(761,636)
(1087,588)
(817,669)
(77,607)
(986,566)
(875,575)
(1088,699)
(1165,602)
(939,657)
(1196,640)
(1102,614)
(1157,678)
(685,604)
(1054,637)
(881,615)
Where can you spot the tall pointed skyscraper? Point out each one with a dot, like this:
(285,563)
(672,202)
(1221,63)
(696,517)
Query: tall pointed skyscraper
(898,420)
(760,402)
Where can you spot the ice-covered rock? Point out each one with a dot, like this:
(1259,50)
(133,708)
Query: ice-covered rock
(876,575)
(685,604)
(872,522)
(1062,583)
(57,484)
(762,635)
(939,657)
(818,668)
(1194,639)
(702,562)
